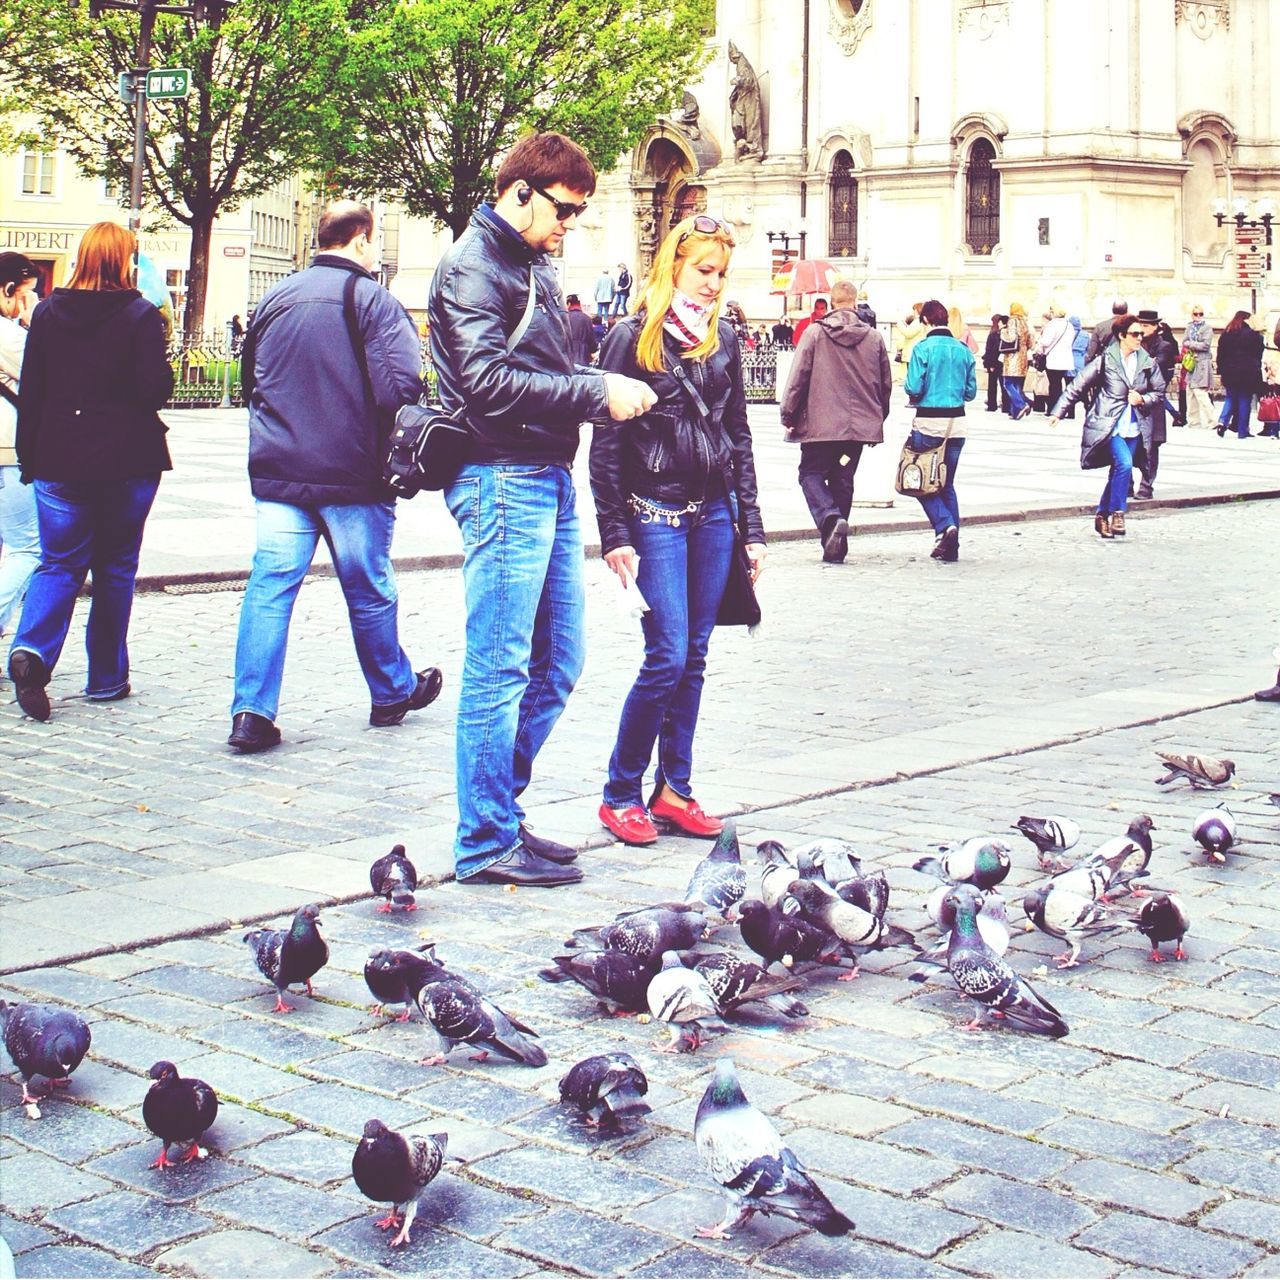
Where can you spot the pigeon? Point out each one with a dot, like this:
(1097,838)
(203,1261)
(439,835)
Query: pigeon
(1051,834)
(178,1109)
(1164,919)
(718,881)
(606,1088)
(985,977)
(679,997)
(1215,832)
(736,982)
(1064,914)
(288,956)
(1126,857)
(459,1014)
(870,892)
(647,933)
(619,980)
(834,859)
(391,1168)
(780,938)
(822,906)
(778,872)
(993,921)
(1200,771)
(43,1041)
(394,878)
(982,861)
(394,976)
(749,1161)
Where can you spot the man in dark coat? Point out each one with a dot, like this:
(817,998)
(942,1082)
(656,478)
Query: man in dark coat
(328,360)
(1101,338)
(583,343)
(1164,351)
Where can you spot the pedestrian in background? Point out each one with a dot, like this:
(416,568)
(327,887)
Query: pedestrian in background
(783,334)
(960,330)
(1240,369)
(1079,345)
(1197,341)
(330,358)
(911,329)
(994,365)
(621,290)
(94,375)
(19,528)
(819,310)
(836,400)
(941,379)
(1158,342)
(666,488)
(1055,345)
(1127,383)
(1015,345)
(1104,331)
(604,294)
(583,343)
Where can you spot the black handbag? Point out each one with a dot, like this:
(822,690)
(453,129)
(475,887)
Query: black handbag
(1039,361)
(426,451)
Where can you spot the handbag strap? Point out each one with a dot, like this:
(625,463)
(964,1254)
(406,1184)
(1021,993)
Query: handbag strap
(514,341)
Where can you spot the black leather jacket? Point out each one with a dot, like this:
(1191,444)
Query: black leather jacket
(667,454)
(526,407)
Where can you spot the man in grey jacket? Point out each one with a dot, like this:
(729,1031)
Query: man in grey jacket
(836,401)
(328,360)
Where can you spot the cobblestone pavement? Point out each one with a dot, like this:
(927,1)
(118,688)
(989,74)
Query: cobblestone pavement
(891,700)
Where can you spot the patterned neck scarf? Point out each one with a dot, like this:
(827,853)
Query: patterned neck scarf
(688,322)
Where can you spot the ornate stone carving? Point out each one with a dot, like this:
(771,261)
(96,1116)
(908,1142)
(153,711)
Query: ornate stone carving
(746,111)
(983,16)
(850,21)
(685,117)
(1204,16)
(647,237)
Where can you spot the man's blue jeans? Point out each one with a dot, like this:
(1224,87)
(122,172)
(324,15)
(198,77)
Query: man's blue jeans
(359,541)
(1115,493)
(942,508)
(522,574)
(86,527)
(683,570)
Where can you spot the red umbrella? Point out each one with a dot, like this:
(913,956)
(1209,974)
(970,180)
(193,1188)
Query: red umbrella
(805,275)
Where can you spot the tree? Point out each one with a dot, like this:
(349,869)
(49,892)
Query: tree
(260,97)
(439,88)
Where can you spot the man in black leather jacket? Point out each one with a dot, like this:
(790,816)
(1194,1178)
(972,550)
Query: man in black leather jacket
(501,350)
(1161,347)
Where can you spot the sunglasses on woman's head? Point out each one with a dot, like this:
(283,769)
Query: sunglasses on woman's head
(705,225)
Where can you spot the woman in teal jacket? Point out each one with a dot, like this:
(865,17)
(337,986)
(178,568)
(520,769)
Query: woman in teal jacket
(941,377)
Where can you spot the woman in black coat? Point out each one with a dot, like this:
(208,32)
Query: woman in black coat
(1240,368)
(91,441)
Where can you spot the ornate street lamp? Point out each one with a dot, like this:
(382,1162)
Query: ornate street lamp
(1239,217)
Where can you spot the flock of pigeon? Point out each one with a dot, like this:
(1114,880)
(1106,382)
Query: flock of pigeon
(817,909)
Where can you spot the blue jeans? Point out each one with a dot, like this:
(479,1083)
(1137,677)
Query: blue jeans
(941,508)
(1115,493)
(620,300)
(522,574)
(359,541)
(682,574)
(87,527)
(19,541)
(1017,401)
(1237,410)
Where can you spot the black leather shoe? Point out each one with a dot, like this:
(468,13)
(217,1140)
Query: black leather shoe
(30,676)
(835,539)
(1269,695)
(947,548)
(425,692)
(524,868)
(250,733)
(551,850)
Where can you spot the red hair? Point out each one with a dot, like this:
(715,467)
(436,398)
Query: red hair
(105,258)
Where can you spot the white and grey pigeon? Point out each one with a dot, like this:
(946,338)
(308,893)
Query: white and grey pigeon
(1127,857)
(993,919)
(1200,771)
(719,880)
(756,1171)
(392,1168)
(982,861)
(680,997)
(43,1041)
(607,1088)
(394,878)
(835,859)
(821,905)
(736,982)
(1050,834)
(646,932)
(1215,832)
(778,872)
(1070,916)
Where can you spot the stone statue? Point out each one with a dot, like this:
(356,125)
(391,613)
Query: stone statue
(746,115)
(686,117)
(647,233)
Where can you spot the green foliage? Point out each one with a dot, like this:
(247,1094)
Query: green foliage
(437,89)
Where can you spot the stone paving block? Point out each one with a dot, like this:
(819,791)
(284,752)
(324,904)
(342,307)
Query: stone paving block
(870,1163)
(429,1252)
(476,1099)
(1243,1101)
(1252,1219)
(128,1223)
(810,1254)
(234,1075)
(312,1157)
(31,1183)
(1257,1175)
(850,1075)
(983,1106)
(129,1044)
(1240,1066)
(680,1214)
(345,1110)
(21,1236)
(564,1126)
(377,1071)
(108,1088)
(1017,1205)
(132,1167)
(278,1043)
(1115,1141)
(846,1113)
(1148,1242)
(1095,1099)
(1018,1256)
(1193,1025)
(568,1238)
(1143,1043)
(237,1127)
(1223,1133)
(979,1148)
(1128,1188)
(876,1046)
(157,1010)
(198,982)
(71,1132)
(62,1260)
(62,986)
(918,1224)
(236,1254)
(960,1069)
(473,1209)
(284,1208)
(585,1182)
(689,1263)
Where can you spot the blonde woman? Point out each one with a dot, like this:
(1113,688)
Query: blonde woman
(666,485)
(960,330)
(1015,343)
(1055,344)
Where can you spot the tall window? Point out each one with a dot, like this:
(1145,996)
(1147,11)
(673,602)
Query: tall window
(175,280)
(842,240)
(38,169)
(982,212)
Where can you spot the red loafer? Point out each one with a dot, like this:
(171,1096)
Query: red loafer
(630,825)
(691,820)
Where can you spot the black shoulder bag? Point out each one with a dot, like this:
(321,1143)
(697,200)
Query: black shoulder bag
(738,606)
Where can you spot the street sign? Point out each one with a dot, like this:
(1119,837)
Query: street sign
(169,82)
(125,87)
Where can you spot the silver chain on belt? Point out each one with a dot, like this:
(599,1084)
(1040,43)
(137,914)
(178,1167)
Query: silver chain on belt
(650,511)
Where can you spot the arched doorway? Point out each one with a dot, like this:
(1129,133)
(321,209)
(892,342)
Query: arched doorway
(662,195)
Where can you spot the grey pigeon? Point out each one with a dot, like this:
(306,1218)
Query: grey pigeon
(757,1173)
(983,861)
(1215,832)
(870,892)
(178,1109)
(735,982)
(606,1088)
(391,1168)
(984,976)
(394,878)
(1070,916)
(286,956)
(620,981)
(1050,834)
(680,997)
(459,1014)
(1163,918)
(647,932)
(993,919)
(719,881)
(854,927)
(783,939)
(43,1041)
(1126,858)
(836,860)
(778,872)
(395,976)
(1200,771)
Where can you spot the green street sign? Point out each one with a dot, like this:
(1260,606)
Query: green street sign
(169,82)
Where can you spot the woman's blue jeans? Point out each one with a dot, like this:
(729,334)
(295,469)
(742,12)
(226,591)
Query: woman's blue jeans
(87,527)
(941,508)
(19,541)
(1237,410)
(682,574)
(522,573)
(1115,493)
(1017,400)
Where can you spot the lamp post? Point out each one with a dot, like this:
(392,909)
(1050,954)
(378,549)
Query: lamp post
(1265,211)
(786,238)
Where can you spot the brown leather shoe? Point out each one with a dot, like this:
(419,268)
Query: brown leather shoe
(1117,524)
(1103,525)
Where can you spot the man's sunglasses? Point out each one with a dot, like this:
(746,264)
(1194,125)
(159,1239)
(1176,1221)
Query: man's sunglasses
(705,225)
(564,210)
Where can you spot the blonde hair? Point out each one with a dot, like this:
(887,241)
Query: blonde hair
(680,243)
(104,260)
(1056,311)
(955,322)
